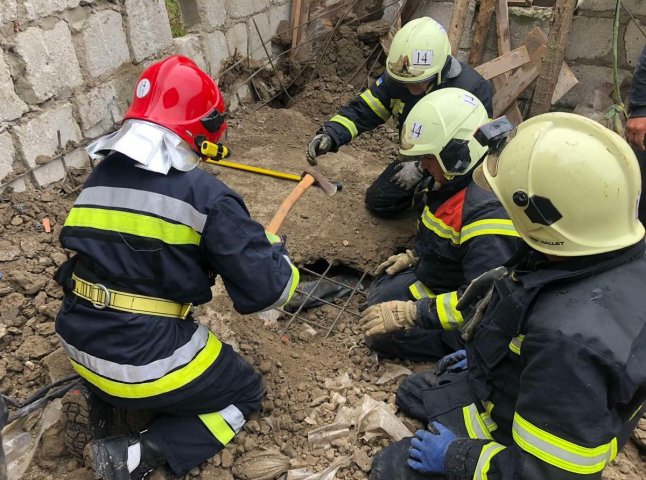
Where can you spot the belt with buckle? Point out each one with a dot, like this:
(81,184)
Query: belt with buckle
(102,297)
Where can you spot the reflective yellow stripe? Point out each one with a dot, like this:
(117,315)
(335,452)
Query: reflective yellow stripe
(172,381)
(218,427)
(487,227)
(486,417)
(133,224)
(296,275)
(484,461)
(438,227)
(559,452)
(446,305)
(272,237)
(347,123)
(516,343)
(419,291)
(375,105)
(636,412)
(129,302)
(474,423)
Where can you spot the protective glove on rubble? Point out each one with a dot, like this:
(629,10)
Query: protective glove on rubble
(408,175)
(319,145)
(397,263)
(427,450)
(388,316)
(453,362)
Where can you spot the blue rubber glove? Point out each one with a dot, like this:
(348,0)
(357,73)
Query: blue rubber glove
(453,362)
(427,450)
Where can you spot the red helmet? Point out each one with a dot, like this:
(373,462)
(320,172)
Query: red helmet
(177,95)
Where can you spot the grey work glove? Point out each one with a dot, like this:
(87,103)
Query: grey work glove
(397,263)
(388,316)
(319,145)
(408,175)
(475,299)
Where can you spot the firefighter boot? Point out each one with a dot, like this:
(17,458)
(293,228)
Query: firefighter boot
(87,418)
(112,458)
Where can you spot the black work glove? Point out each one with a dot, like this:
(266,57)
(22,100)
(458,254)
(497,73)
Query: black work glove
(319,145)
(475,299)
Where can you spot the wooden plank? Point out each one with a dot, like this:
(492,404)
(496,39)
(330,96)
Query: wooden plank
(295,21)
(502,26)
(566,82)
(503,64)
(559,31)
(479,40)
(458,19)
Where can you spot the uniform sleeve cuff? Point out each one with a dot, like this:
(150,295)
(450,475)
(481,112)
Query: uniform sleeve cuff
(638,111)
(461,458)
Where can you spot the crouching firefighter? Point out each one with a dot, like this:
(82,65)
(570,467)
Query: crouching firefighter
(554,379)
(151,233)
(463,232)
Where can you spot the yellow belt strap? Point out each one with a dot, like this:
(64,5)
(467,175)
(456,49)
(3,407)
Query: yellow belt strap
(102,297)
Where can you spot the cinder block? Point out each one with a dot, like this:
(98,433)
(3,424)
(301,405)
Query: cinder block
(237,39)
(590,78)
(590,37)
(213,13)
(106,47)
(38,137)
(42,8)
(11,106)
(148,27)
(438,11)
(190,47)
(100,110)
(8,12)
(596,5)
(239,9)
(634,43)
(7,155)
(50,62)
(215,51)
(636,7)
(256,49)
(77,158)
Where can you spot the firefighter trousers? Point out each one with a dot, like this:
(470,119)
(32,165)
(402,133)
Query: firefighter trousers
(386,199)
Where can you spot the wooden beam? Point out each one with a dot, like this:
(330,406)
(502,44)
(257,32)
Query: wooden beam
(479,40)
(458,19)
(295,21)
(502,26)
(504,63)
(559,31)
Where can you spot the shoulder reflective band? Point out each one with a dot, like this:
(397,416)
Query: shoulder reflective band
(450,317)
(418,290)
(224,424)
(132,224)
(562,453)
(475,424)
(347,123)
(375,105)
(516,343)
(172,381)
(439,228)
(484,461)
(488,227)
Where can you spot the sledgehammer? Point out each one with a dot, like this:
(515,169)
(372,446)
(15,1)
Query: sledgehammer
(310,177)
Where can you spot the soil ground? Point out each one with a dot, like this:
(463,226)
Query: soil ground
(299,367)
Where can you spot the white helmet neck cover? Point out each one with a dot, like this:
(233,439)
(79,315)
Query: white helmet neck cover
(570,185)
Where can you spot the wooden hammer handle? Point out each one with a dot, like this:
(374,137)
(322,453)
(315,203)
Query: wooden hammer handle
(288,203)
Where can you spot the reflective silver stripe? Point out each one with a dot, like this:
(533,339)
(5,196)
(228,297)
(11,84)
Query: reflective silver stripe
(484,461)
(438,227)
(288,291)
(559,452)
(516,343)
(474,423)
(488,226)
(375,105)
(140,373)
(446,306)
(141,201)
(419,291)
(234,417)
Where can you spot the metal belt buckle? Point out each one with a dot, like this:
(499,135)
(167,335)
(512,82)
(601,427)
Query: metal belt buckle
(106,300)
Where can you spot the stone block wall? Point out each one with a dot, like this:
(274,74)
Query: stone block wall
(68,68)
(589,50)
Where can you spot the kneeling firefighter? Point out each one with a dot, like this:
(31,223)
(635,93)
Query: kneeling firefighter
(151,233)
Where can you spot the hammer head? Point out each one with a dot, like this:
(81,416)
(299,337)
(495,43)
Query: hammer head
(320,181)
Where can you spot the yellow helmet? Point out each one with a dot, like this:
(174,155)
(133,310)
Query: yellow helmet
(570,185)
(419,51)
(443,124)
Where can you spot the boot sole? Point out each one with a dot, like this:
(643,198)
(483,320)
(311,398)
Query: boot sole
(80,430)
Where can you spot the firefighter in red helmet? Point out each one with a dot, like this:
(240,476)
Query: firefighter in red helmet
(151,233)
